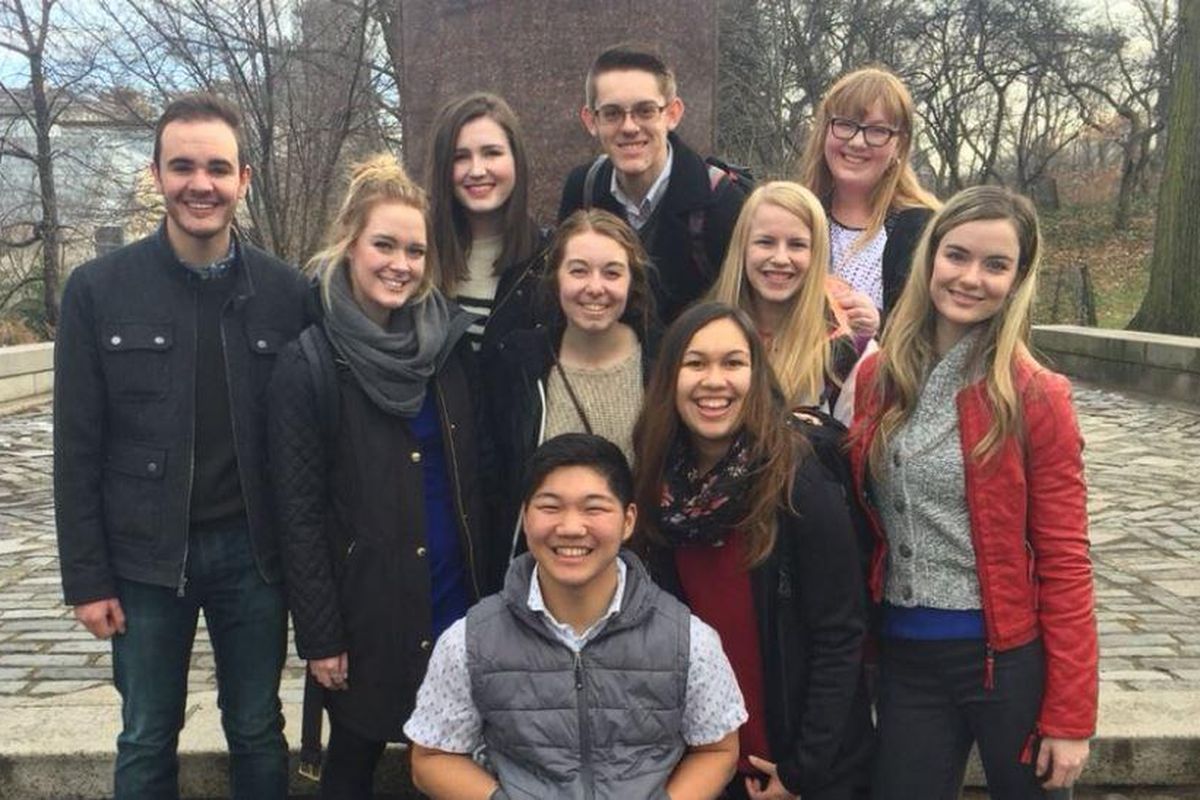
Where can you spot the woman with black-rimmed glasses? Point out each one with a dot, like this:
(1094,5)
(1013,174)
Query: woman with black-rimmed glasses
(856,161)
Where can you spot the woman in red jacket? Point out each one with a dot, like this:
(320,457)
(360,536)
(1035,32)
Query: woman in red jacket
(967,455)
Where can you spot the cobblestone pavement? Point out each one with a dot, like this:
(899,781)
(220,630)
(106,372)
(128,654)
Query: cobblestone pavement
(1143,463)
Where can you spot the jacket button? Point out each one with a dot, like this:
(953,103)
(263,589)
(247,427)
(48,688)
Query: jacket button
(906,550)
(896,459)
(160,340)
(900,504)
(415,456)
(261,344)
(152,466)
(908,593)
(421,552)
(426,644)
(115,340)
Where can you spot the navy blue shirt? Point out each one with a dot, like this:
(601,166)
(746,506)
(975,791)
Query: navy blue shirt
(447,576)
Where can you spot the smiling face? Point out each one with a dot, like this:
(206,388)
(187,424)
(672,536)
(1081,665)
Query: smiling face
(484,171)
(778,252)
(974,270)
(574,526)
(198,175)
(387,260)
(593,282)
(638,148)
(853,163)
(710,391)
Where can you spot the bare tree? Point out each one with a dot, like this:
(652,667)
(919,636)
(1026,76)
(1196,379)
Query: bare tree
(25,28)
(303,75)
(1172,301)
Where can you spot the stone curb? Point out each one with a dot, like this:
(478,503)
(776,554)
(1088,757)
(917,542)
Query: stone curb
(62,747)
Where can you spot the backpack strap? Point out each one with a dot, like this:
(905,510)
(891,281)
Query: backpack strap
(318,355)
(589,181)
(323,371)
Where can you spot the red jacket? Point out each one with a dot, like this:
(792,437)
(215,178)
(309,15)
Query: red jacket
(1028,511)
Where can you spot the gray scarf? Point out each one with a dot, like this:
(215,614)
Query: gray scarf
(394,365)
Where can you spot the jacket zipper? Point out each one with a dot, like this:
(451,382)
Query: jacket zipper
(464,534)
(192,449)
(516,537)
(233,430)
(585,739)
(989,659)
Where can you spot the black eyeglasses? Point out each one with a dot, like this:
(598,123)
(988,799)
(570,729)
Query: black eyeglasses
(873,135)
(644,112)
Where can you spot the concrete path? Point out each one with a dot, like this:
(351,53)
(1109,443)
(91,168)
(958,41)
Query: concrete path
(60,715)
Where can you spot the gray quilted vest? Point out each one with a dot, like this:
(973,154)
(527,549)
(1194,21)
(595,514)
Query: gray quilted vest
(605,724)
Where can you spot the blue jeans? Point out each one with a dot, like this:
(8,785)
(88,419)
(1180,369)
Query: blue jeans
(247,623)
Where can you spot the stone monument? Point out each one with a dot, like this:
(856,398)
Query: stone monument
(535,53)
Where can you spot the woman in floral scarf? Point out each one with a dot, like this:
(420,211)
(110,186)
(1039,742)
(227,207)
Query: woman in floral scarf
(744,524)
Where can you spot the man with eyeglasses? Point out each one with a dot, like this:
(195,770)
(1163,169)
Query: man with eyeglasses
(682,207)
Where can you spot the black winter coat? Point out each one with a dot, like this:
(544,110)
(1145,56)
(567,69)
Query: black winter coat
(809,601)
(125,409)
(683,274)
(521,301)
(353,535)
(904,230)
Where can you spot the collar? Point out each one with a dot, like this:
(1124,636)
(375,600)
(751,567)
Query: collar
(639,213)
(565,633)
(242,277)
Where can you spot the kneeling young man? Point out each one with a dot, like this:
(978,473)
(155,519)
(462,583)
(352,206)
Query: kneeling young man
(581,677)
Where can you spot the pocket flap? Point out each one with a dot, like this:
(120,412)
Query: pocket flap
(118,336)
(137,460)
(268,341)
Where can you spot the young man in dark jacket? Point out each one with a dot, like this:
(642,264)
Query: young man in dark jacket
(162,358)
(682,207)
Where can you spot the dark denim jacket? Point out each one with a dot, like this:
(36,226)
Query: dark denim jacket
(124,409)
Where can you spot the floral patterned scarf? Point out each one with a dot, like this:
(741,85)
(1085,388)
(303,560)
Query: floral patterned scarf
(703,509)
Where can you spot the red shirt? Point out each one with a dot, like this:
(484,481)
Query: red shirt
(716,586)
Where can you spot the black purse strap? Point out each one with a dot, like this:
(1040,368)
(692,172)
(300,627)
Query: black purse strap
(587,425)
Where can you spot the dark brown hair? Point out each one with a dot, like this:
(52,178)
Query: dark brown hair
(201,106)
(629,56)
(451,232)
(774,447)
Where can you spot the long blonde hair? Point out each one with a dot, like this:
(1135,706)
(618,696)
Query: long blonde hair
(908,349)
(378,179)
(854,95)
(799,351)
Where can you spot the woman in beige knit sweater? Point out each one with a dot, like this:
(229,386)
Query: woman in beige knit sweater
(585,371)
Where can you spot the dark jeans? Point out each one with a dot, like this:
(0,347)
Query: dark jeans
(851,787)
(933,705)
(349,769)
(247,623)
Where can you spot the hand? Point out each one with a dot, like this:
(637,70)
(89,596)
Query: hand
(1060,761)
(331,672)
(861,312)
(102,618)
(774,789)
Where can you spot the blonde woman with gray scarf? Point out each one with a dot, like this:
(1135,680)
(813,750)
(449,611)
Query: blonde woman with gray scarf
(376,466)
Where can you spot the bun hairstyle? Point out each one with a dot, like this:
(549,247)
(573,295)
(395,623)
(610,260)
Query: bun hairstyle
(377,179)
(908,349)
(854,95)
